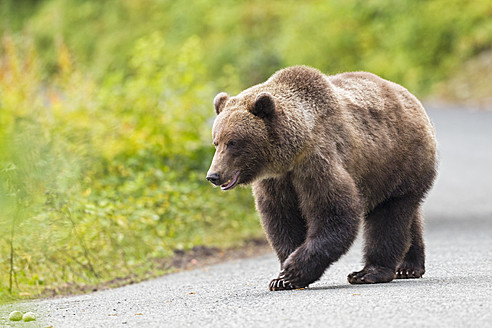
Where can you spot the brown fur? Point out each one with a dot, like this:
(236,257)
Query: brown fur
(322,153)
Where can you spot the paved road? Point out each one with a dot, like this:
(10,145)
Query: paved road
(456,291)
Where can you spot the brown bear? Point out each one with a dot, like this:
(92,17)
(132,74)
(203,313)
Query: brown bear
(323,153)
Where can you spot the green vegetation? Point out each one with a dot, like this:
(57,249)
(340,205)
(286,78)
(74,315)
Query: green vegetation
(105,116)
(99,180)
(416,43)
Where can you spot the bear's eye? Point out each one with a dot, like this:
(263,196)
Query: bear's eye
(231,143)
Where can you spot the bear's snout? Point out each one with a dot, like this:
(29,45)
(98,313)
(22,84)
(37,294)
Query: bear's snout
(214,178)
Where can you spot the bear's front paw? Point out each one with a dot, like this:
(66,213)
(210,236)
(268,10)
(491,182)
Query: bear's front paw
(408,270)
(288,279)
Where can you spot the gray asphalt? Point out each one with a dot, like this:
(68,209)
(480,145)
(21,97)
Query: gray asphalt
(456,290)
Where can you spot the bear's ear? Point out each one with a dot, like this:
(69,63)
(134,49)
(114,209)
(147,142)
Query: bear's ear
(219,102)
(264,106)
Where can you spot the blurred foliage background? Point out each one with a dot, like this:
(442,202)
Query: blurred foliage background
(105,116)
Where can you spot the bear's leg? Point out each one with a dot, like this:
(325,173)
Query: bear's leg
(324,244)
(413,265)
(277,202)
(332,211)
(387,234)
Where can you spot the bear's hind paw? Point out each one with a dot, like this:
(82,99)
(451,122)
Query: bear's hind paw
(371,275)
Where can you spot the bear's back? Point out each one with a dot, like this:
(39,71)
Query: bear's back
(371,102)
(390,135)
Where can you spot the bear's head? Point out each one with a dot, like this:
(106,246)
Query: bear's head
(244,139)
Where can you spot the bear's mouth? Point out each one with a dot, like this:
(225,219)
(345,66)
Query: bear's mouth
(231,183)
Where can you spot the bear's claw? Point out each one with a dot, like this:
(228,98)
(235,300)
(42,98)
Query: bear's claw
(280,284)
(409,271)
(286,281)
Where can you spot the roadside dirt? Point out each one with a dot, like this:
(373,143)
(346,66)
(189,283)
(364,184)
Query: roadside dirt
(197,257)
